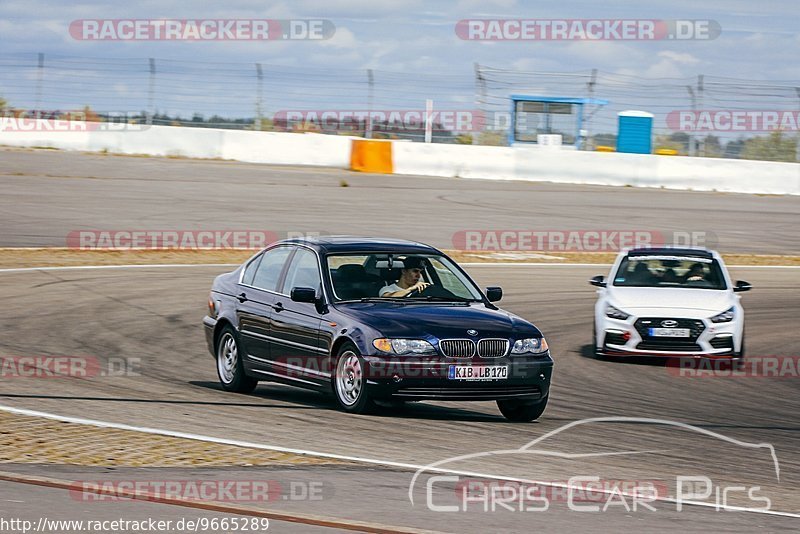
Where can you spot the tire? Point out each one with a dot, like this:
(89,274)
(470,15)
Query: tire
(230,368)
(349,382)
(521,411)
(738,361)
(741,354)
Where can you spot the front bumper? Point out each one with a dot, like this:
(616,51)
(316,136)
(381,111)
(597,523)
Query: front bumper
(209,325)
(403,379)
(707,340)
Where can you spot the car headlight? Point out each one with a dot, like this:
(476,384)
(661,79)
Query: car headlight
(404,346)
(724,317)
(534,345)
(616,313)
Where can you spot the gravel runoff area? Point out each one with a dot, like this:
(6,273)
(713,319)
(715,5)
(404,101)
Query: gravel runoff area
(11,258)
(35,440)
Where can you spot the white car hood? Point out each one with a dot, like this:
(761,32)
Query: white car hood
(655,298)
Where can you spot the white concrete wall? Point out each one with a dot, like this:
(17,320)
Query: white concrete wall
(464,161)
(601,168)
(241,145)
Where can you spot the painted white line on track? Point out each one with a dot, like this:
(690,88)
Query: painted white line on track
(504,264)
(372,461)
(147,266)
(479,264)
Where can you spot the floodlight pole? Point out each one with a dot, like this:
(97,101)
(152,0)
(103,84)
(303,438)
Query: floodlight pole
(370,96)
(480,121)
(700,100)
(692,148)
(39,79)
(588,145)
(797,148)
(259,92)
(151,92)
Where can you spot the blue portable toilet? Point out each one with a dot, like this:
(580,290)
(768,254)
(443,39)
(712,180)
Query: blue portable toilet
(635,132)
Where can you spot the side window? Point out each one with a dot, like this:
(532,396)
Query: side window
(250,270)
(303,271)
(449,280)
(269,270)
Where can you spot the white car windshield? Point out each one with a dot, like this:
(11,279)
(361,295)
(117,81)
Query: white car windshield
(670,271)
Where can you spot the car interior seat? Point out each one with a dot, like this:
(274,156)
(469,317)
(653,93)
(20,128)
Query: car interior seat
(353,282)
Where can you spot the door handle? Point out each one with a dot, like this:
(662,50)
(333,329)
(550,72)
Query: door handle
(278,306)
(242,297)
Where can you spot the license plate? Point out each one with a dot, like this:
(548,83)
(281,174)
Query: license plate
(477,372)
(669,332)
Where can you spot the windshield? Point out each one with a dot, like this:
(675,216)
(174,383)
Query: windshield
(418,277)
(670,271)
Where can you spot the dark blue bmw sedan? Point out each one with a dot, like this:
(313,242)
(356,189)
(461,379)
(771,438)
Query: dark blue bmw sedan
(373,320)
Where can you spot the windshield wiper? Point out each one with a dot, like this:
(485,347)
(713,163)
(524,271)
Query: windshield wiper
(438,298)
(380,299)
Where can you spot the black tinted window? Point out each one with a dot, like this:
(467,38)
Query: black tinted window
(250,270)
(269,270)
(303,272)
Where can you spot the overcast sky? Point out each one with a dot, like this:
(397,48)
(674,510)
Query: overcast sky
(759,39)
(413,47)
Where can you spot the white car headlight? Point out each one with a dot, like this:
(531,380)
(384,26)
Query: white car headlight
(534,345)
(616,313)
(724,317)
(404,346)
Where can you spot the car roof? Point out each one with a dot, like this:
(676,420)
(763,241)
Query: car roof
(346,243)
(672,251)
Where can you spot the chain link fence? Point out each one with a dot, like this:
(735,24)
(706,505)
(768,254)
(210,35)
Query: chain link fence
(473,108)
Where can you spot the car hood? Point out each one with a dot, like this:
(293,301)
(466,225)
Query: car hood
(635,298)
(442,321)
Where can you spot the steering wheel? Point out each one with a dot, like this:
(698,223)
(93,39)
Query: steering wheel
(432,291)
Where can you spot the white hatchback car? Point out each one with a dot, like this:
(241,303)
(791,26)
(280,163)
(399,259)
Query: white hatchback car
(672,302)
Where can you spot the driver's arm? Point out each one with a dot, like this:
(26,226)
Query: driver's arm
(403,292)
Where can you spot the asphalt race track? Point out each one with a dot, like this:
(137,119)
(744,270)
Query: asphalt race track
(154,314)
(47,194)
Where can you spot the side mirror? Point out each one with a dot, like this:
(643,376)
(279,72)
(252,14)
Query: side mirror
(493,294)
(741,285)
(304,294)
(599,281)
